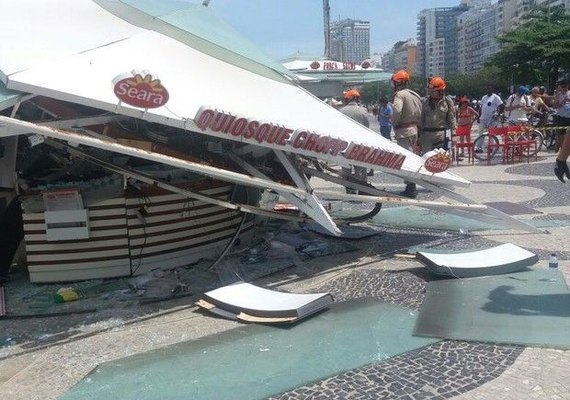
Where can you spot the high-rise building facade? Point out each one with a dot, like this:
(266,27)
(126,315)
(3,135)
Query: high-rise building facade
(403,55)
(437,40)
(461,39)
(350,40)
(479,28)
(477,37)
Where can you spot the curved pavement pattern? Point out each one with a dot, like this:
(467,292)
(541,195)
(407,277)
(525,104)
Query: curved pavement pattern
(448,369)
(462,370)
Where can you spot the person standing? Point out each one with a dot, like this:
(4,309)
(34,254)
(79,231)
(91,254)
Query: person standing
(385,114)
(438,115)
(466,115)
(353,110)
(518,105)
(562,118)
(490,103)
(406,117)
(539,108)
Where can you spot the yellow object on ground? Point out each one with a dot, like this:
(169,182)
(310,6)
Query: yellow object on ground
(66,294)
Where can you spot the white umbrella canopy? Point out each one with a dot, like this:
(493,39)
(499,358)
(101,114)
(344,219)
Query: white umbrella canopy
(76,50)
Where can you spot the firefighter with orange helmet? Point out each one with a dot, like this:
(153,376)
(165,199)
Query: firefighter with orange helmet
(354,110)
(407,110)
(438,116)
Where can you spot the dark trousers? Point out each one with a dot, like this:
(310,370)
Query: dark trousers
(386,131)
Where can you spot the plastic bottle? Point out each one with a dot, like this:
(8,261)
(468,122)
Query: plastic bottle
(553,261)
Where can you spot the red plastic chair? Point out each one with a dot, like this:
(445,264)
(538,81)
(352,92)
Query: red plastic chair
(524,143)
(503,141)
(464,131)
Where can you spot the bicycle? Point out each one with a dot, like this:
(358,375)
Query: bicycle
(544,123)
(487,145)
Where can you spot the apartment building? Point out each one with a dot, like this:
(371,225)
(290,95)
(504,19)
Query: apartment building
(350,40)
(403,55)
(477,31)
(437,40)
(479,28)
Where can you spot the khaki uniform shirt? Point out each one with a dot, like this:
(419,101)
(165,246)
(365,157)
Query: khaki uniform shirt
(435,120)
(441,116)
(356,112)
(407,107)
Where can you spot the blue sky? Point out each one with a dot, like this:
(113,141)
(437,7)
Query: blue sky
(283,27)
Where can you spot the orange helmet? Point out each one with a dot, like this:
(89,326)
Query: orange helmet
(437,83)
(400,76)
(350,94)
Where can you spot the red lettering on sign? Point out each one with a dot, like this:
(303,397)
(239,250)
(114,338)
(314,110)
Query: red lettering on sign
(229,122)
(436,166)
(311,142)
(238,127)
(251,128)
(219,122)
(322,144)
(337,146)
(261,132)
(279,135)
(203,118)
(400,162)
(372,156)
(352,151)
(284,137)
(299,137)
(273,134)
(363,152)
(381,157)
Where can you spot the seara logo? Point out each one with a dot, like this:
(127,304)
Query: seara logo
(139,91)
(437,161)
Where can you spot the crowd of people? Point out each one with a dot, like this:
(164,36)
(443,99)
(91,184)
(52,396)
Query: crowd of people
(420,124)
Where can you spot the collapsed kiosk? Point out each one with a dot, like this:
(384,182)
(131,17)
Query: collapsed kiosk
(142,134)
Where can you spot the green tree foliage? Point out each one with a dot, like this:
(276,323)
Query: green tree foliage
(474,85)
(538,50)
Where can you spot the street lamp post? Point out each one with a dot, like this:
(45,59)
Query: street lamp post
(513,77)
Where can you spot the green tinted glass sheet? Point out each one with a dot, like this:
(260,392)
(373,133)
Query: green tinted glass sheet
(257,361)
(8,97)
(198,27)
(526,308)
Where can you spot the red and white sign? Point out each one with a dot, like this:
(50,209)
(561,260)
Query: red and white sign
(140,91)
(315,65)
(333,65)
(437,160)
(276,135)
